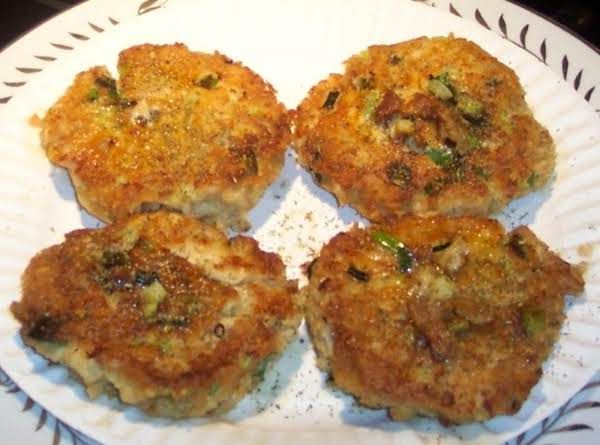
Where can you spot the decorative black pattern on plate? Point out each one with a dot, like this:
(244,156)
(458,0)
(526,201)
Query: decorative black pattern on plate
(565,67)
(551,425)
(60,429)
(454,11)
(95,27)
(61,46)
(150,5)
(481,20)
(522,43)
(14,84)
(46,58)
(78,36)
(25,70)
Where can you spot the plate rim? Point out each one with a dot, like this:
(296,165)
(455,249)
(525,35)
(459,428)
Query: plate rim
(42,25)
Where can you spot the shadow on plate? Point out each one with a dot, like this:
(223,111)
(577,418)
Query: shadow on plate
(430,429)
(64,187)
(276,380)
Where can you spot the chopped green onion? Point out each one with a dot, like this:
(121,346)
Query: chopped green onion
(214,388)
(358,274)
(262,368)
(441,157)
(165,346)
(470,108)
(152,295)
(403,255)
(473,141)
(331,99)
(371,102)
(209,81)
(439,89)
(459,326)
(533,321)
(93,94)
(531,179)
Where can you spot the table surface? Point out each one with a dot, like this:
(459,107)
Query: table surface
(578,15)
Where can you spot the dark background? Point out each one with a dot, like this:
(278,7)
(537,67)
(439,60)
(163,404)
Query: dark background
(16,17)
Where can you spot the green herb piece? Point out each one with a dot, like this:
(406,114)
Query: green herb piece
(358,274)
(152,295)
(262,368)
(459,326)
(470,108)
(331,99)
(209,81)
(111,258)
(110,84)
(214,388)
(245,361)
(441,157)
(404,260)
(531,179)
(399,174)
(473,142)
(403,255)
(165,346)
(444,78)
(93,94)
(533,321)
(480,171)
(439,89)
(371,102)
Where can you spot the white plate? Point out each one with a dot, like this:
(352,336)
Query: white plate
(293,44)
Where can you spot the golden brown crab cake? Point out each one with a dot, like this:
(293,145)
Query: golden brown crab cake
(441,317)
(429,126)
(160,310)
(187,131)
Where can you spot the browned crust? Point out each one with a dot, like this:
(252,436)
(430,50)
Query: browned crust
(450,339)
(350,147)
(164,139)
(176,361)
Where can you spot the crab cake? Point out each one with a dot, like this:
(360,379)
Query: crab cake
(160,310)
(441,317)
(186,131)
(429,126)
